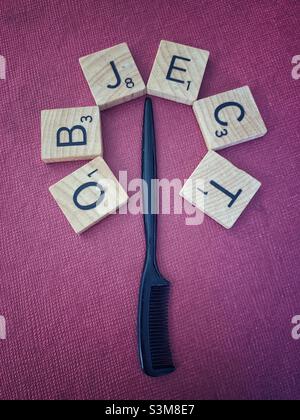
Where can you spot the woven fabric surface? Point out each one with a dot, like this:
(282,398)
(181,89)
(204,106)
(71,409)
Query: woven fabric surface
(70,302)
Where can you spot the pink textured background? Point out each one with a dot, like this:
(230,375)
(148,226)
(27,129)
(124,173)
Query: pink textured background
(70,302)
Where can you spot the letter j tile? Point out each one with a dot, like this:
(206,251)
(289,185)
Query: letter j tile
(113,76)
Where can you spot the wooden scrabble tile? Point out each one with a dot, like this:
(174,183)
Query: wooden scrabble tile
(229,118)
(71,134)
(113,76)
(220,190)
(177,72)
(89,195)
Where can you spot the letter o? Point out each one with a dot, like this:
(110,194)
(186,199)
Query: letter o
(92,205)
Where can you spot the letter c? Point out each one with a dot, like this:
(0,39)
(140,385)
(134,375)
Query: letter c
(226,105)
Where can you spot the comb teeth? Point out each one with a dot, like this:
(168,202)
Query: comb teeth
(158,328)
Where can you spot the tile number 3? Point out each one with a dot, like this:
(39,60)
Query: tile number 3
(224,132)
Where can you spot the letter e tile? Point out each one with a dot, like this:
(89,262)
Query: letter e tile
(177,72)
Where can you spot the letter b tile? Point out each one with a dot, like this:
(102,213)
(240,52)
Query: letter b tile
(113,76)
(71,134)
(177,72)
(88,195)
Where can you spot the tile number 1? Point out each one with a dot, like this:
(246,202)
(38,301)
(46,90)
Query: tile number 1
(224,132)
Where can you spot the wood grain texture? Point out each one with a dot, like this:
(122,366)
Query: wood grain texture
(218,136)
(101,76)
(75,195)
(186,71)
(57,133)
(203,189)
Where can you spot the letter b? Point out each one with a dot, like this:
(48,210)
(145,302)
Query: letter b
(70,133)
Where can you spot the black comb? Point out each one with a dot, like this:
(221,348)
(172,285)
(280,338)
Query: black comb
(154,348)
